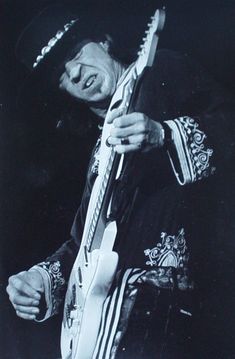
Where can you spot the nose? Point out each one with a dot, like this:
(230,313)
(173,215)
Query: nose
(73,69)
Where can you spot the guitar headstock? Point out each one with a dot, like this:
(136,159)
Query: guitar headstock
(148,48)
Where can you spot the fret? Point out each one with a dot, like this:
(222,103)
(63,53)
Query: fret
(128,91)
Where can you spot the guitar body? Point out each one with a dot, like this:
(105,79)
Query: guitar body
(96,263)
(85,314)
(89,284)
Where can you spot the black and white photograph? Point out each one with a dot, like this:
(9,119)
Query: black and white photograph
(117,173)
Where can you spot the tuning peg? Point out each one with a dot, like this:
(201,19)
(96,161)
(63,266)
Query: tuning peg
(146,32)
(144,38)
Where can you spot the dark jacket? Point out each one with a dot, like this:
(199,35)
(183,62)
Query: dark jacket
(165,202)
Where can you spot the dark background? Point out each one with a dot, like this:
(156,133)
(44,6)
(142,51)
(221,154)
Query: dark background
(42,169)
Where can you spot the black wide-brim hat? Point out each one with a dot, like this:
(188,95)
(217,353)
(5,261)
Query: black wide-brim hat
(43,47)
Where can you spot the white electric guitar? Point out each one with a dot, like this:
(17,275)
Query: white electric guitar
(96,263)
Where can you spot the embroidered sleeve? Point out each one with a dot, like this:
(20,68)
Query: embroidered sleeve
(54,285)
(190,155)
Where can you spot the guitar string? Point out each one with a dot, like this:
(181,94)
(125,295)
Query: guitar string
(105,177)
(109,164)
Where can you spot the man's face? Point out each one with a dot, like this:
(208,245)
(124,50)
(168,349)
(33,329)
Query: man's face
(90,76)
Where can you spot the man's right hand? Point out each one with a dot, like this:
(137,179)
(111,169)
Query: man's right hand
(23,290)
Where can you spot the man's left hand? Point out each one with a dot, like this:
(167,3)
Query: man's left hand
(134,132)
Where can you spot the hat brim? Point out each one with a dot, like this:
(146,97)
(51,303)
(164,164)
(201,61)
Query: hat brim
(40,86)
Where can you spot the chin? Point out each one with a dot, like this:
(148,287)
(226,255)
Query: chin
(103,97)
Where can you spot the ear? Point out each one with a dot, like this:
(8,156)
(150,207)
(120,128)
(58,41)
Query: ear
(106,43)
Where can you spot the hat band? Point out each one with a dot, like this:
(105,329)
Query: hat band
(51,43)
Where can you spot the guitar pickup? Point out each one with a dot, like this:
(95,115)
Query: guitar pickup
(79,277)
(86,256)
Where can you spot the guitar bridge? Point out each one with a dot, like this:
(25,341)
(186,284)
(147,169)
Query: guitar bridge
(70,307)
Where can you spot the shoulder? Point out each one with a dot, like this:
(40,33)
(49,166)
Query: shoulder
(169,60)
(180,69)
(168,67)
(170,55)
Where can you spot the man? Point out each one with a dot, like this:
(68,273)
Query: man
(178,134)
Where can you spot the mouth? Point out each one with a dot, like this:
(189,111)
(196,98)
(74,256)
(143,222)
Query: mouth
(89,81)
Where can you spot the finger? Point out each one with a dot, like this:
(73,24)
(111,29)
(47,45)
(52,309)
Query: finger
(129,119)
(122,132)
(18,299)
(27,310)
(114,114)
(127,148)
(26,316)
(35,282)
(137,128)
(138,139)
(134,139)
(21,286)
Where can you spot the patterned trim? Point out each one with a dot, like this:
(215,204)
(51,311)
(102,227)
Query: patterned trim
(111,314)
(171,252)
(193,155)
(118,305)
(56,284)
(161,277)
(52,42)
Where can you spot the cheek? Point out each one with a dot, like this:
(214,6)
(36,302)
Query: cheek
(68,88)
(110,83)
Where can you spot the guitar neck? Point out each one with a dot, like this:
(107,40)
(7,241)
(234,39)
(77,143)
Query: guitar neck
(100,217)
(145,58)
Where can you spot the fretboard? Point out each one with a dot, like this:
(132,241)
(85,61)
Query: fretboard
(111,166)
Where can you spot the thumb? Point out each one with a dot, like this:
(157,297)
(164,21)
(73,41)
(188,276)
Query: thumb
(117,112)
(35,280)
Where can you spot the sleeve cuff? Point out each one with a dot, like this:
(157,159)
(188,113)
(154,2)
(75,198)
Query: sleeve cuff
(189,153)
(54,286)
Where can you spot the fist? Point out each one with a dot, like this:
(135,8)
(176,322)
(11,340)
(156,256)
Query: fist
(133,132)
(25,290)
